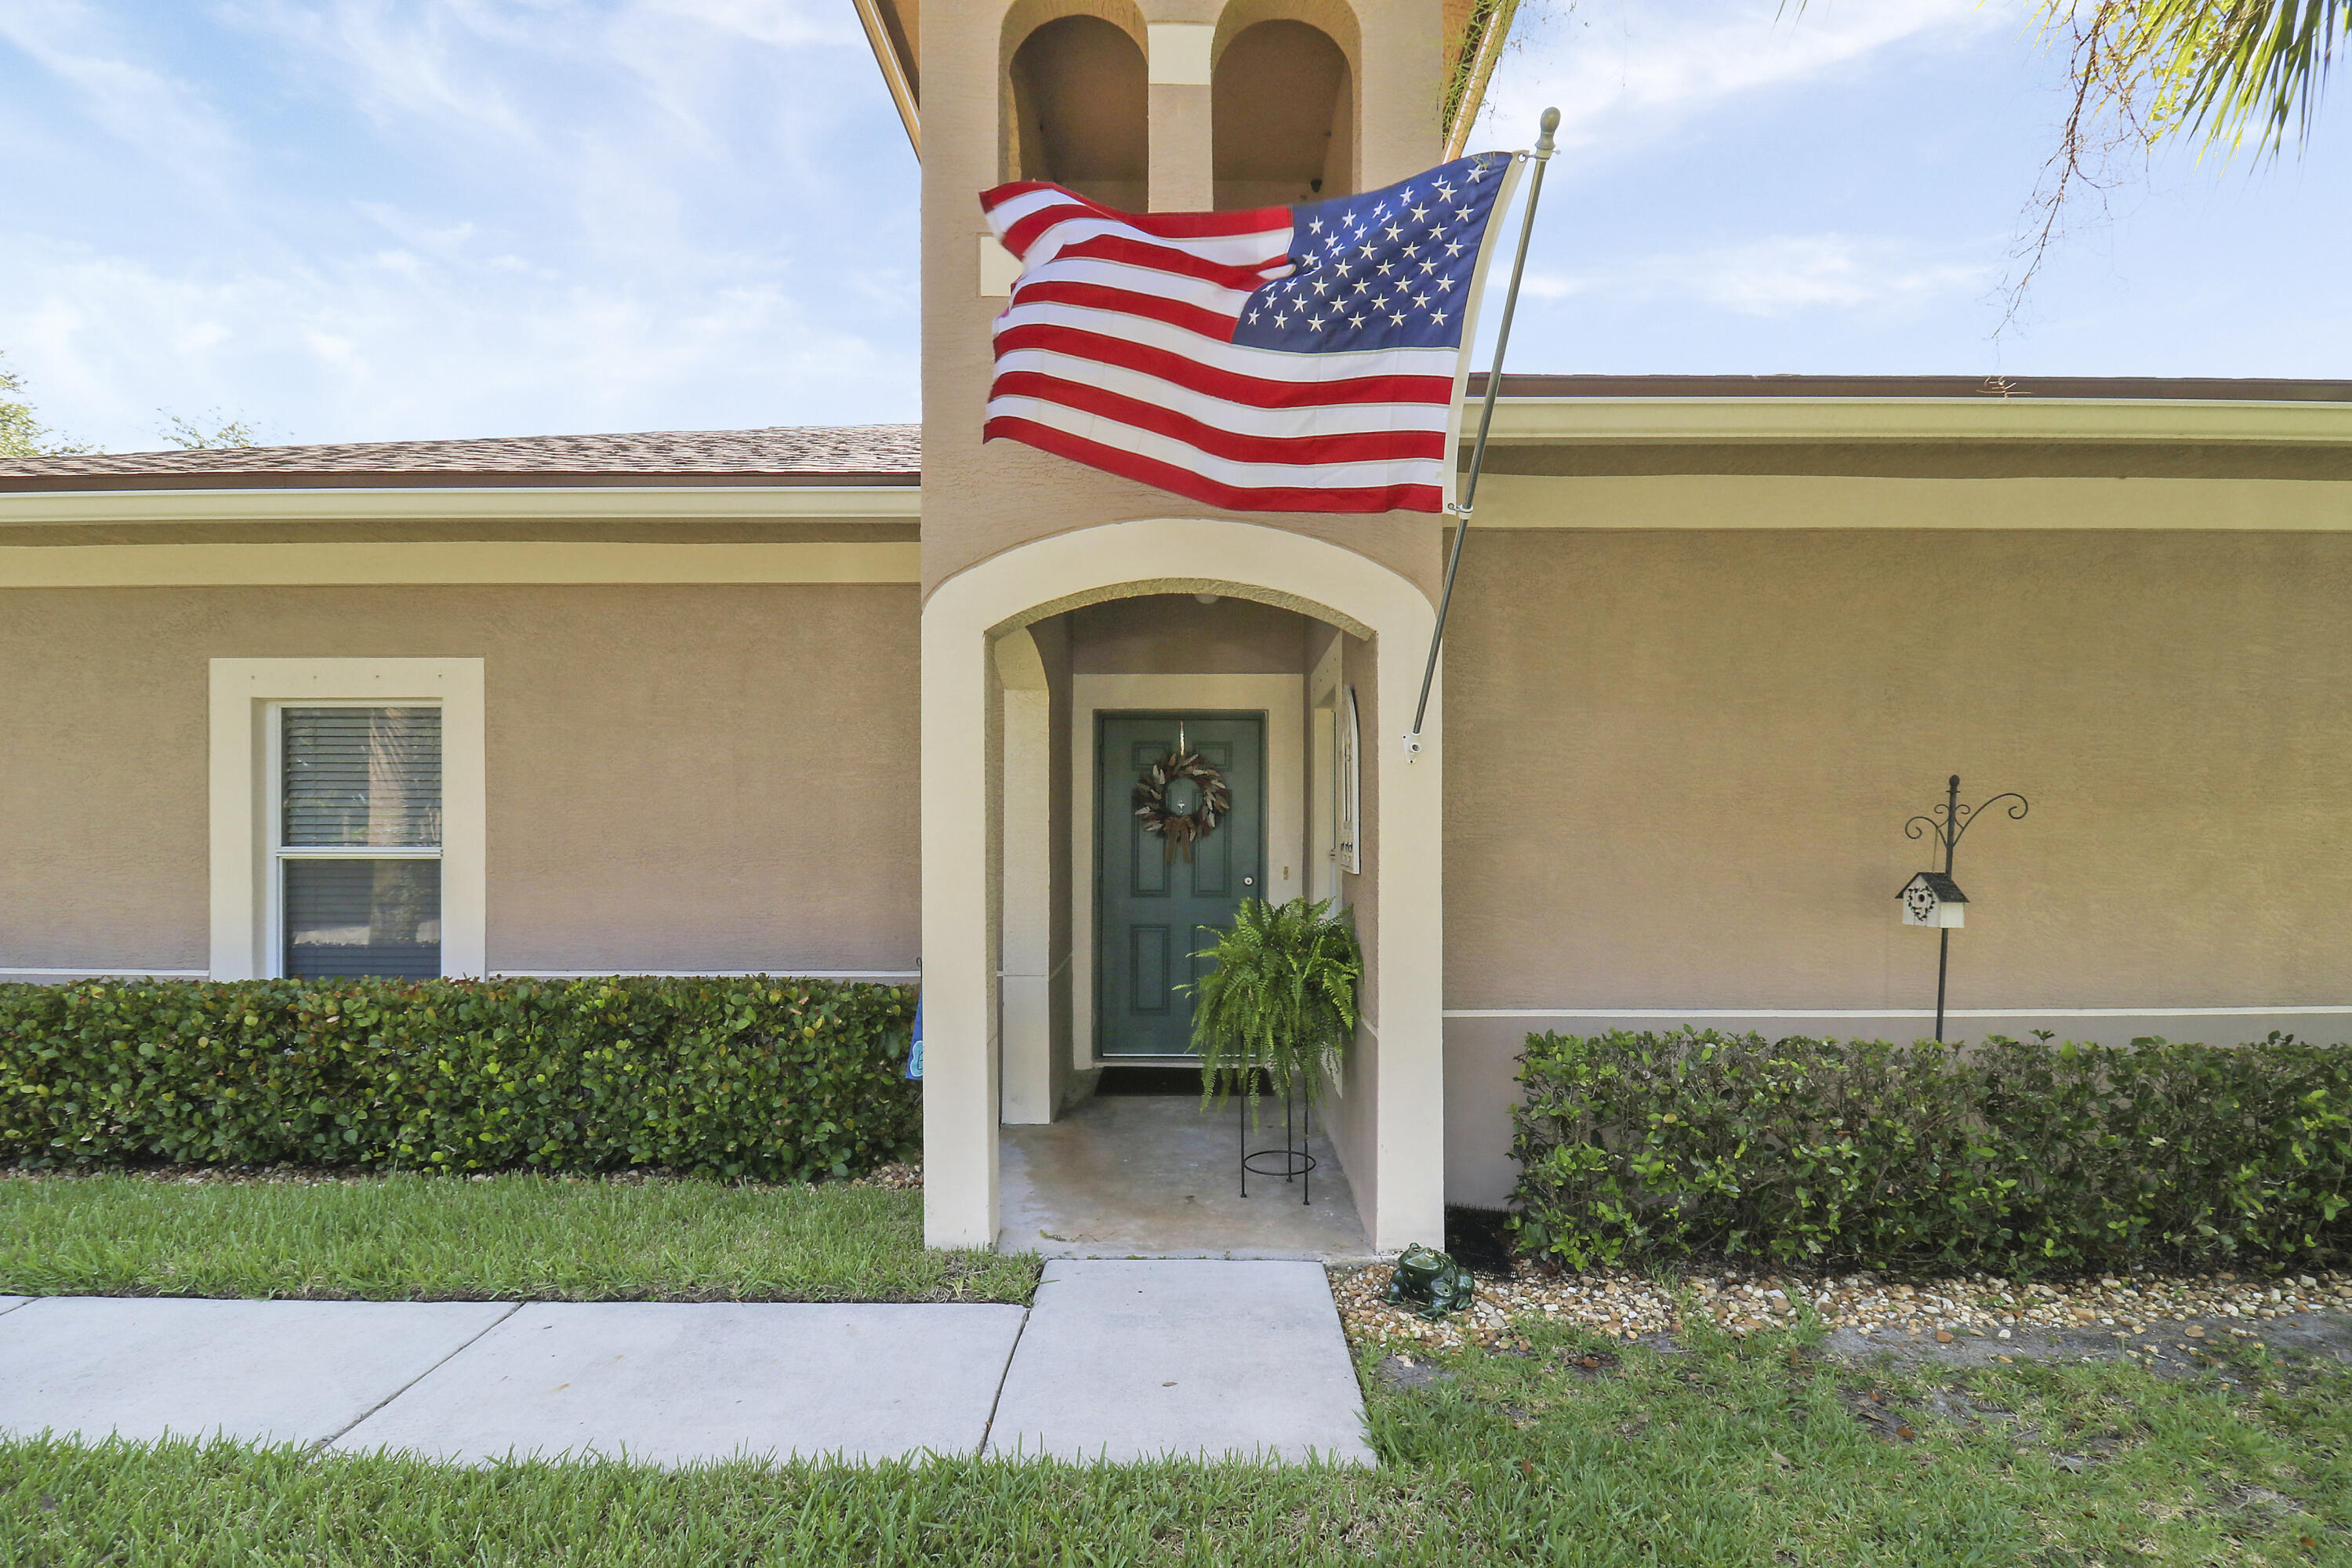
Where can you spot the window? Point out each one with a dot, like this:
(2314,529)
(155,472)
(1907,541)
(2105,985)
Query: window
(354,778)
(349,828)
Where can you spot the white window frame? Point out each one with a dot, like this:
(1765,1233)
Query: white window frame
(248,694)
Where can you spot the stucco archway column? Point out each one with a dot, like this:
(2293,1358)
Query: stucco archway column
(1404,1063)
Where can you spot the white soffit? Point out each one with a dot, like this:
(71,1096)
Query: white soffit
(1541,420)
(364,563)
(470,503)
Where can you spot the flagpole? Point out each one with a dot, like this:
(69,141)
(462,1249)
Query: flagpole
(1461,509)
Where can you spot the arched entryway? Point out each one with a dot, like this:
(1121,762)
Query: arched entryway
(983,877)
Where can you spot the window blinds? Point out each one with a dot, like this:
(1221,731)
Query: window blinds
(363,776)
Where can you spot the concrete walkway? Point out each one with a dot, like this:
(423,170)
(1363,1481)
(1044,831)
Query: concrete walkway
(1117,1360)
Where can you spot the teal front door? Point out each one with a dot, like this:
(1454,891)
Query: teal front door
(1154,910)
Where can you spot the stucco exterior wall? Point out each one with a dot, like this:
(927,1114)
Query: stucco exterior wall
(1680,763)
(683,778)
(1175,634)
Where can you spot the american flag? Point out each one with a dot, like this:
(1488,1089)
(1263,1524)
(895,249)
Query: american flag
(1306,358)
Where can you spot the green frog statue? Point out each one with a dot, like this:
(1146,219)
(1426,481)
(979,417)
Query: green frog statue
(1429,1282)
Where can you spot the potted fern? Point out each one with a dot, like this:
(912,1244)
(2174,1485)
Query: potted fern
(1281,999)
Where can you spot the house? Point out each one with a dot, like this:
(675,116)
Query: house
(864,701)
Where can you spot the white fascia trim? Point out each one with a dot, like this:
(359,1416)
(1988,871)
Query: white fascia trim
(411,564)
(1698,1013)
(468,503)
(1535,420)
(242,690)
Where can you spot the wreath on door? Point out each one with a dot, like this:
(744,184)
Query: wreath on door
(1180,799)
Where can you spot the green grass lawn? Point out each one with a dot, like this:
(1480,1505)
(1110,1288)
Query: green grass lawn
(442,1239)
(1733,1454)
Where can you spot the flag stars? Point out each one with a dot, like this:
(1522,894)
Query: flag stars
(1438,317)
(1420,215)
(1355,320)
(1398,320)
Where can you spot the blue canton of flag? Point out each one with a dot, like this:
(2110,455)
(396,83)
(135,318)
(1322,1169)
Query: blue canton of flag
(1383,269)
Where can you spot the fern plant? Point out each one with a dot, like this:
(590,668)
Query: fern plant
(1281,998)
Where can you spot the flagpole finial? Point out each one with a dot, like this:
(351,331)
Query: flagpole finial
(1549,123)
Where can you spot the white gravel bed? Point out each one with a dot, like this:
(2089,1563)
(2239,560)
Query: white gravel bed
(1628,1305)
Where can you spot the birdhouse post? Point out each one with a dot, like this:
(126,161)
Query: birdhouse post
(1931,897)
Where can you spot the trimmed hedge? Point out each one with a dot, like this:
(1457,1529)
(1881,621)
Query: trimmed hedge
(772,1080)
(2017,1157)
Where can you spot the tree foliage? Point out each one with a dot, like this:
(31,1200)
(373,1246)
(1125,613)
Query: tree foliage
(22,434)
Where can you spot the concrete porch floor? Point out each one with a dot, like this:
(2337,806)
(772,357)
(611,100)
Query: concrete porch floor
(1153,1177)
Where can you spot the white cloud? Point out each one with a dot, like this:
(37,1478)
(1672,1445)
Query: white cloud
(162,116)
(401,346)
(1783,275)
(421,62)
(1624,72)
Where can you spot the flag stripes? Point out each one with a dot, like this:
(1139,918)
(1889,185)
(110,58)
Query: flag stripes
(1117,347)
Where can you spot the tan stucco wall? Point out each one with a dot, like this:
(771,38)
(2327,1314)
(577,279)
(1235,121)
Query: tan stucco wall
(679,778)
(1175,634)
(1681,764)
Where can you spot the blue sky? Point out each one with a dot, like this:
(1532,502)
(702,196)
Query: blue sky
(355,220)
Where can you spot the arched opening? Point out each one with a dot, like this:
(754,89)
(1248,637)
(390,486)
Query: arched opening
(1000,947)
(1079,111)
(1282,119)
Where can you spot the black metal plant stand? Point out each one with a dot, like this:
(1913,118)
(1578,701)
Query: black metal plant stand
(1292,1162)
(1956,820)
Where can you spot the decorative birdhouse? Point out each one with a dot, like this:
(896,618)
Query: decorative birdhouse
(1933,899)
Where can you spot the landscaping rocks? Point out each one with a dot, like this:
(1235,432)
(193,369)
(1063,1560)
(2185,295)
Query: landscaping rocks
(1976,1318)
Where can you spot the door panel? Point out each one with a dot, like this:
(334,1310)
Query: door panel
(1153,912)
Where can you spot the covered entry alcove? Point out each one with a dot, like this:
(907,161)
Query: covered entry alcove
(1011,950)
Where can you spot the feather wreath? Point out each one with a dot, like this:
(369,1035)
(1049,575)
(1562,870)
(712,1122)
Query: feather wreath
(1179,823)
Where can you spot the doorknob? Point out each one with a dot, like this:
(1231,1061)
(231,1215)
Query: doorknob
(1249,882)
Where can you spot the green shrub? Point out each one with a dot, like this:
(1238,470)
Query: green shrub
(2017,1156)
(767,1079)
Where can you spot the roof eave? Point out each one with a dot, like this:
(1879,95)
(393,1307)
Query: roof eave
(899,71)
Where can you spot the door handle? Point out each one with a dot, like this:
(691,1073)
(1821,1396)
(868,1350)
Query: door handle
(1249,882)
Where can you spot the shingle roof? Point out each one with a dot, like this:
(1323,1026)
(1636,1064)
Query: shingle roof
(893,455)
(847,454)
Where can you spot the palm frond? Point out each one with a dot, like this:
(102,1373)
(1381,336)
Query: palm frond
(2236,69)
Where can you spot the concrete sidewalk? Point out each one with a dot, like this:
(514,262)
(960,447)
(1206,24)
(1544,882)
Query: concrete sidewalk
(1117,1360)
